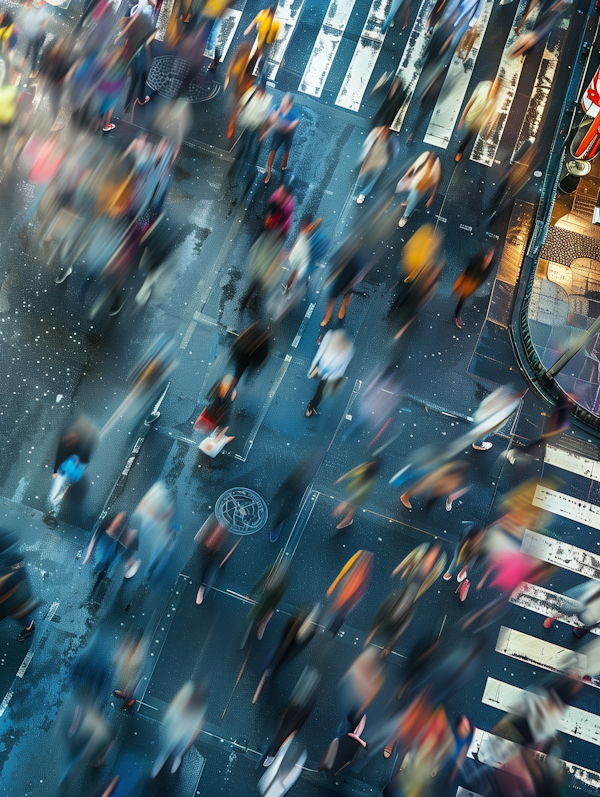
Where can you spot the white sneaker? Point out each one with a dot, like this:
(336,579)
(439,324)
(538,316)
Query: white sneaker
(133,568)
(482,446)
(448,505)
(268,760)
(511,456)
(403,221)
(360,199)
(447,576)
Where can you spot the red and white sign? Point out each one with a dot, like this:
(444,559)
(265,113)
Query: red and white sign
(590,101)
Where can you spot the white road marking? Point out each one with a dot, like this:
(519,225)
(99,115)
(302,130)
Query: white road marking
(325,47)
(574,722)
(452,95)
(20,491)
(287,14)
(365,57)
(466,793)
(497,752)
(509,72)
(567,507)
(562,554)
(52,610)
(411,63)
(188,334)
(574,463)
(229,25)
(549,604)
(541,653)
(25,664)
(539,96)
(5,702)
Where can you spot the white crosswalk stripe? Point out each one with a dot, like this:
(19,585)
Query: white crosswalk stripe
(543,601)
(574,721)
(561,554)
(411,63)
(447,109)
(326,47)
(509,71)
(575,463)
(566,506)
(541,653)
(365,57)
(229,26)
(497,752)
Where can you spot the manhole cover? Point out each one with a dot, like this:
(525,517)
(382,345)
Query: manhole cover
(168,73)
(242,510)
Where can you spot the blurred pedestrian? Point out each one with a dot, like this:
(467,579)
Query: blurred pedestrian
(32,24)
(329,365)
(480,113)
(214,418)
(240,73)
(378,152)
(362,480)
(347,590)
(267,29)
(182,722)
(209,541)
(249,350)
(255,109)
(270,589)
(476,273)
(16,599)
(289,493)
(422,178)
(283,122)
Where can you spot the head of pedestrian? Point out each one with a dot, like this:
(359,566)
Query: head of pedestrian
(286,103)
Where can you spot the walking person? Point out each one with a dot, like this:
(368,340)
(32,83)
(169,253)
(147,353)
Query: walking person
(466,553)
(362,480)
(139,68)
(284,122)
(240,73)
(422,178)
(33,25)
(267,29)
(329,365)
(480,114)
(213,420)
(476,273)
(210,540)
(255,109)
(379,150)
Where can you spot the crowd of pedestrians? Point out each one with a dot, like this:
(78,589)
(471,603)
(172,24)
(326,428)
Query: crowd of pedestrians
(101,210)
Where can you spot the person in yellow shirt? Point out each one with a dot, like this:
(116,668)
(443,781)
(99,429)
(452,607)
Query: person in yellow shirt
(268,30)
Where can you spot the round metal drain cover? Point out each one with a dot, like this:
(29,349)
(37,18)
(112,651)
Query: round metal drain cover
(241,510)
(168,73)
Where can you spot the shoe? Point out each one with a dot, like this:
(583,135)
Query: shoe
(268,761)
(447,576)
(448,505)
(26,632)
(461,576)
(129,705)
(463,589)
(406,502)
(118,693)
(200,595)
(459,322)
(360,199)
(108,129)
(64,273)
(133,568)
(403,221)
(511,456)
(116,308)
(458,156)
(548,622)
(579,632)
(482,447)
(343,524)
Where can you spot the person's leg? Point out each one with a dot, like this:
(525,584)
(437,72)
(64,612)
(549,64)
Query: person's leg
(285,158)
(457,317)
(345,303)
(35,51)
(328,311)
(452,566)
(464,144)
(142,96)
(316,399)
(270,165)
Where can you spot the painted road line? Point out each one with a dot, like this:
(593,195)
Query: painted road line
(497,752)
(574,463)
(447,109)
(26,662)
(325,47)
(541,653)
(287,14)
(539,96)
(567,507)
(229,25)
(549,604)
(574,722)
(559,553)
(365,57)
(411,63)
(509,72)
(460,792)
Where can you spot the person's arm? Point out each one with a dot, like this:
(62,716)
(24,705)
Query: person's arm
(465,112)
(251,25)
(270,124)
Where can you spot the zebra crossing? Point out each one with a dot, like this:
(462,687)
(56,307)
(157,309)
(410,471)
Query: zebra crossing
(321,73)
(536,650)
